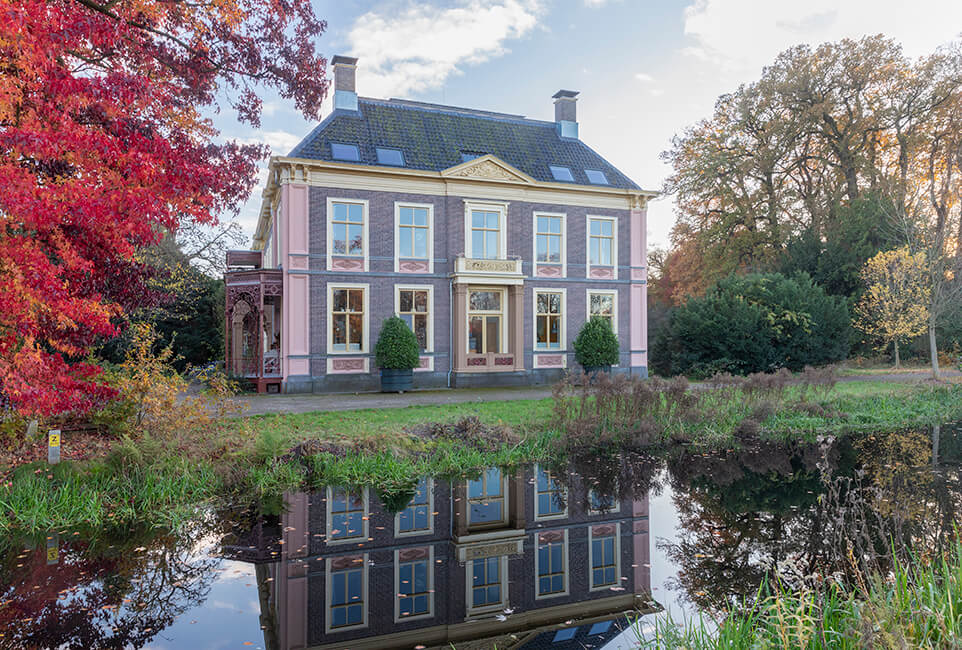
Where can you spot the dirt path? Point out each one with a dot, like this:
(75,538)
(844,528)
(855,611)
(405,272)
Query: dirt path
(307,402)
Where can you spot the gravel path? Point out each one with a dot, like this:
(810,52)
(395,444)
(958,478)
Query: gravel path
(306,402)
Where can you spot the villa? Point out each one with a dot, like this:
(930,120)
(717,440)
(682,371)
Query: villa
(494,236)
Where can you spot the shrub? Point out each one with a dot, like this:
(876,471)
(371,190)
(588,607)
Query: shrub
(596,344)
(754,323)
(397,347)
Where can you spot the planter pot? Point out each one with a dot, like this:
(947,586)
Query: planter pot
(594,371)
(396,381)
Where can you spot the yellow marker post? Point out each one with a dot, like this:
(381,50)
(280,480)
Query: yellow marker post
(53,446)
(53,548)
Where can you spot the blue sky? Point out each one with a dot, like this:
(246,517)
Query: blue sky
(645,69)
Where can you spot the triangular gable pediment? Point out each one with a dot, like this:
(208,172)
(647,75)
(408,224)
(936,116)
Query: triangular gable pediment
(488,168)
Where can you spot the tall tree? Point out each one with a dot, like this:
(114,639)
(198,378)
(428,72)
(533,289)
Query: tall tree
(104,149)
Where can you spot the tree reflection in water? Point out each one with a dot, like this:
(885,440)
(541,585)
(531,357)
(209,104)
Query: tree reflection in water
(807,513)
(102,594)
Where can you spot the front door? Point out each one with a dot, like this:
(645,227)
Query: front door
(485,321)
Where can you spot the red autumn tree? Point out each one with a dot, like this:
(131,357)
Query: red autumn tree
(104,147)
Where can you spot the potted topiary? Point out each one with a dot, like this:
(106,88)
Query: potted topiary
(397,355)
(596,346)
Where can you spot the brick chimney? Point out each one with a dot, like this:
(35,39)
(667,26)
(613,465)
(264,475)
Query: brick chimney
(566,113)
(345,92)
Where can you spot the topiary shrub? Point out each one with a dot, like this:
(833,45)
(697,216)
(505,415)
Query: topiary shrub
(397,347)
(596,345)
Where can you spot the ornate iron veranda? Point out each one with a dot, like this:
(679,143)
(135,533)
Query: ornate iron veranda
(252,332)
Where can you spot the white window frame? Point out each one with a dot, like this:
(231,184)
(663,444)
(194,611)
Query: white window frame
(503,333)
(537,515)
(565,562)
(591,559)
(563,334)
(365,229)
(564,241)
(503,221)
(418,287)
(504,504)
(397,234)
(615,508)
(328,515)
(416,533)
(397,588)
(366,339)
(469,580)
(614,245)
(329,594)
(614,306)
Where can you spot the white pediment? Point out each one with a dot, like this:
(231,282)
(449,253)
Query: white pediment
(488,168)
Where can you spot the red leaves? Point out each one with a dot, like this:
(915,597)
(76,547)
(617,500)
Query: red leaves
(103,149)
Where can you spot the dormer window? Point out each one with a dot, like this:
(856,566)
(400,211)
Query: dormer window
(561,174)
(596,176)
(394,157)
(347,152)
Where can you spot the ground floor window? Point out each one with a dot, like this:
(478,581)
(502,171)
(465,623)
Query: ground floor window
(551,497)
(414,308)
(486,499)
(485,316)
(416,517)
(603,304)
(348,319)
(549,323)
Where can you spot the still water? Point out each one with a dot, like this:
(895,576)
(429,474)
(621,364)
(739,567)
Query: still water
(529,557)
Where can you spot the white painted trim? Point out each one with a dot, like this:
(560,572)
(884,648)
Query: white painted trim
(469,579)
(564,320)
(366,339)
(534,242)
(397,233)
(591,554)
(490,206)
(418,287)
(329,596)
(397,587)
(614,307)
(614,245)
(327,520)
(416,533)
(504,316)
(328,218)
(537,566)
(537,515)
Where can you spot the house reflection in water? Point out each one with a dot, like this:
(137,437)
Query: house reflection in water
(508,560)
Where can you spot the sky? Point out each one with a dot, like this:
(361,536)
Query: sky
(646,69)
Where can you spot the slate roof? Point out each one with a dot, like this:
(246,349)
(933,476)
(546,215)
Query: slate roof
(433,138)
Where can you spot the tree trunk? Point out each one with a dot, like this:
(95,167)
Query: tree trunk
(897,354)
(933,350)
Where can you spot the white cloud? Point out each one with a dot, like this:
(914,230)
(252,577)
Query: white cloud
(594,4)
(416,47)
(645,78)
(744,35)
(280,142)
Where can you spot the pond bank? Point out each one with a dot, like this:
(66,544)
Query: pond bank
(155,481)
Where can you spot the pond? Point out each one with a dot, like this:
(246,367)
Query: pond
(529,557)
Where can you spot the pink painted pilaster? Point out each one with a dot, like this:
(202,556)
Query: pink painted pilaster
(293,238)
(639,287)
(641,547)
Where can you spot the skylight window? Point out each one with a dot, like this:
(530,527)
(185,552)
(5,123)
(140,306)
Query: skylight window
(345,152)
(564,635)
(390,157)
(597,177)
(470,155)
(561,173)
(599,628)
